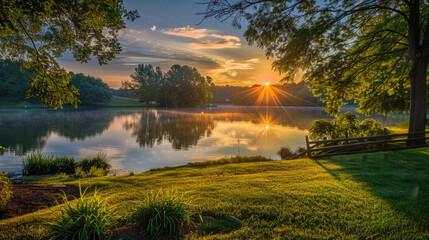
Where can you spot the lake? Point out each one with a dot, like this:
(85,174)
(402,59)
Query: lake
(140,139)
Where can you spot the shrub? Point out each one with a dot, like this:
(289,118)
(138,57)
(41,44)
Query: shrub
(163,213)
(39,164)
(5,190)
(100,161)
(370,127)
(89,218)
(345,125)
(321,128)
(287,153)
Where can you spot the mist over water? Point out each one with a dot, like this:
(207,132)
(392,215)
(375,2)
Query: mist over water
(141,139)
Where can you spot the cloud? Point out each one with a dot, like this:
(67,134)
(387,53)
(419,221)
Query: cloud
(153,28)
(215,45)
(206,38)
(253,60)
(188,32)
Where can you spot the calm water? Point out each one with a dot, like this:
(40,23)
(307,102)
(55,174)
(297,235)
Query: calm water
(141,139)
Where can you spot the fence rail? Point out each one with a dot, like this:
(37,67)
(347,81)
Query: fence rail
(385,142)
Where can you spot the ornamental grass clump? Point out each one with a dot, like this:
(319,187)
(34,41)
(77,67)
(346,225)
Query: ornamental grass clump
(163,213)
(100,161)
(5,190)
(88,217)
(39,164)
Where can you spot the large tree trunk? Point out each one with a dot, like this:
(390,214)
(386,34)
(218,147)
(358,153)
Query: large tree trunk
(418,102)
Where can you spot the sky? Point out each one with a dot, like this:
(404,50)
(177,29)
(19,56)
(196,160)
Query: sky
(168,33)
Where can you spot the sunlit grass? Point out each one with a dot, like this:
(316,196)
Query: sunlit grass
(379,195)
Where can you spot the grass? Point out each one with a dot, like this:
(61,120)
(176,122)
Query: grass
(89,217)
(124,102)
(163,213)
(381,195)
(39,164)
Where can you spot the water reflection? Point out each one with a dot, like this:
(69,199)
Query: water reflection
(181,129)
(141,139)
(26,131)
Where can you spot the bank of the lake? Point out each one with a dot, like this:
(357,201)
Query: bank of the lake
(380,195)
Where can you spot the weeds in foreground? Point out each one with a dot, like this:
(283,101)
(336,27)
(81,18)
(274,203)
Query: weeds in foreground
(163,213)
(88,218)
(39,164)
(5,190)
(100,161)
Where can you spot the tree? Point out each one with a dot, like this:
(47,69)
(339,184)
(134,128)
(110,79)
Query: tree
(145,82)
(37,32)
(93,91)
(13,79)
(184,86)
(374,51)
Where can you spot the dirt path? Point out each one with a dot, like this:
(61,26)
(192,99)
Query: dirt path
(28,198)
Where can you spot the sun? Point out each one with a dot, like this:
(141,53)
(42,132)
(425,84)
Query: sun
(267,84)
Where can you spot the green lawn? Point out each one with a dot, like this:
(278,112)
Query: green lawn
(124,102)
(365,196)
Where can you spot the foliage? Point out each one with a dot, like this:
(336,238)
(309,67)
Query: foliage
(5,190)
(344,126)
(163,213)
(374,52)
(286,153)
(39,164)
(37,32)
(145,82)
(92,91)
(88,217)
(100,161)
(370,127)
(181,86)
(321,128)
(13,79)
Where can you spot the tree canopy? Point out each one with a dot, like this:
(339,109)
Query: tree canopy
(181,86)
(92,91)
(39,31)
(374,51)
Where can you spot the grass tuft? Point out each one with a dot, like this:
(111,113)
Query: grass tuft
(163,213)
(100,161)
(88,218)
(39,164)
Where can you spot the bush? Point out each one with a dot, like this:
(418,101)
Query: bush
(100,161)
(5,190)
(287,153)
(93,172)
(89,218)
(39,164)
(345,125)
(163,213)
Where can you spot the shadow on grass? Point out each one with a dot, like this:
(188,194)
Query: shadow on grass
(399,177)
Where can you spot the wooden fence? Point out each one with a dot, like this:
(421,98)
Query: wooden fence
(342,146)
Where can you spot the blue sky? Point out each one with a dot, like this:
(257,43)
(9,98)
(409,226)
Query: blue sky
(167,33)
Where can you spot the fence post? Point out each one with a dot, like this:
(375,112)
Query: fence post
(307,147)
(385,140)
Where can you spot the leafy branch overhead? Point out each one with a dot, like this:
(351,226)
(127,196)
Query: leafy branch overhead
(37,32)
(349,49)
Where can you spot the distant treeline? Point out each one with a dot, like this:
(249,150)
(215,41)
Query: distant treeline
(294,94)
(13,84)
